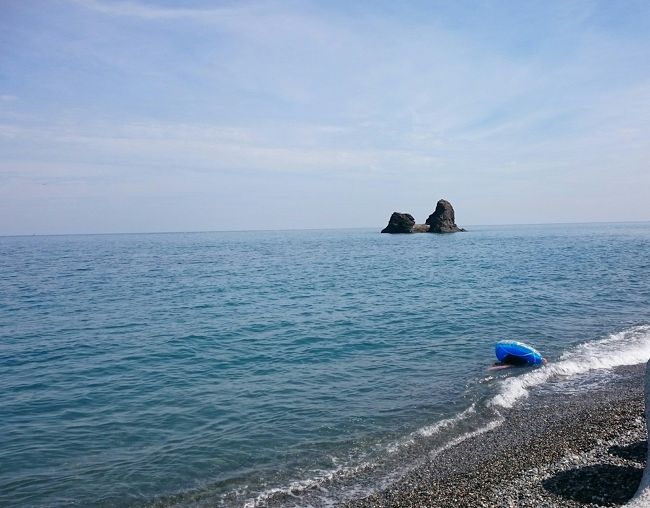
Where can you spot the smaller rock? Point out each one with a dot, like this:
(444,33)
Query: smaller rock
(400,223)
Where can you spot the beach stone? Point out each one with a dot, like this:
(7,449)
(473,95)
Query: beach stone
(399,223)
(443,220)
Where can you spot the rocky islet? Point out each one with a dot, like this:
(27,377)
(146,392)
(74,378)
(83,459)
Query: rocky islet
(442,220)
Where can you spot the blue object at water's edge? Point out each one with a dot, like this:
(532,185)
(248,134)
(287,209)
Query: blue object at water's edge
(219,367)
(511,351)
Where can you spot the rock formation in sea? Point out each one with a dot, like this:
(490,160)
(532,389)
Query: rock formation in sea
(442,220)
(400,223)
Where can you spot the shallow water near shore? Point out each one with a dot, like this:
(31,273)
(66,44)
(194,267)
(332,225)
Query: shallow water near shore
(288,368)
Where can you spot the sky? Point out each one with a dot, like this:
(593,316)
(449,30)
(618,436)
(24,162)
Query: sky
(146,116)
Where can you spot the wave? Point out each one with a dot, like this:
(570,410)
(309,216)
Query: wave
(317,483)
(319,480)
(628,347)
(464,437)
(431,430)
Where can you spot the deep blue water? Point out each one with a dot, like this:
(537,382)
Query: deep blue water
(221,368)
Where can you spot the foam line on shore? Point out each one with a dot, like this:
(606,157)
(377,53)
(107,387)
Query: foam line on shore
(297,488)
(431,430)
(464,437)
(628,347)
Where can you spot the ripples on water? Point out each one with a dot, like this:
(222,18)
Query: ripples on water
(212,367)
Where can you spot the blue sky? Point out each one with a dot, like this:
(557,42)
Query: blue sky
(197,115)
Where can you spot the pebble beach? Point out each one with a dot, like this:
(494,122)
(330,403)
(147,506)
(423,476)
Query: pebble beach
(584,449)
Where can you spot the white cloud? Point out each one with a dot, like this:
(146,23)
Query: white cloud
(200,148)
(140,10)
(10,131)
(259,20)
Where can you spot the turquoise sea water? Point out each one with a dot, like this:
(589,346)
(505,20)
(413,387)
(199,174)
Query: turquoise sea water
(293,367)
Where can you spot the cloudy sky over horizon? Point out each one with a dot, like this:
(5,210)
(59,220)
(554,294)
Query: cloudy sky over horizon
(201,115)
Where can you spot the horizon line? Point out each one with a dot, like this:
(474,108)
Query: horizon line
(20,235)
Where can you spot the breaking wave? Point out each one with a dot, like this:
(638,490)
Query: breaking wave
(628,347)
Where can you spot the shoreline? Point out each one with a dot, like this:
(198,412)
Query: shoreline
(580,449)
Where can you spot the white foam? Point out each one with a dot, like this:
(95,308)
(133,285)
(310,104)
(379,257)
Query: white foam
(481,430)
(628,347)
(298,488)
(430,430)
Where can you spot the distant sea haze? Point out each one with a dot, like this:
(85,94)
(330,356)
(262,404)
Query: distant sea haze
(289,367)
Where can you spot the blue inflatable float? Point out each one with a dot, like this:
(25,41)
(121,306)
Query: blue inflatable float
(517,353)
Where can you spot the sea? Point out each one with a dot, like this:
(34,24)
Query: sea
(291,368)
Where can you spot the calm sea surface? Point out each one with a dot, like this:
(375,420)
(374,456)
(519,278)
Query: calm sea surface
(291,367)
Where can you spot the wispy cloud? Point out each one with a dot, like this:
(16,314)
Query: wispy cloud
(260,20)
(145,11)
(187,148)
